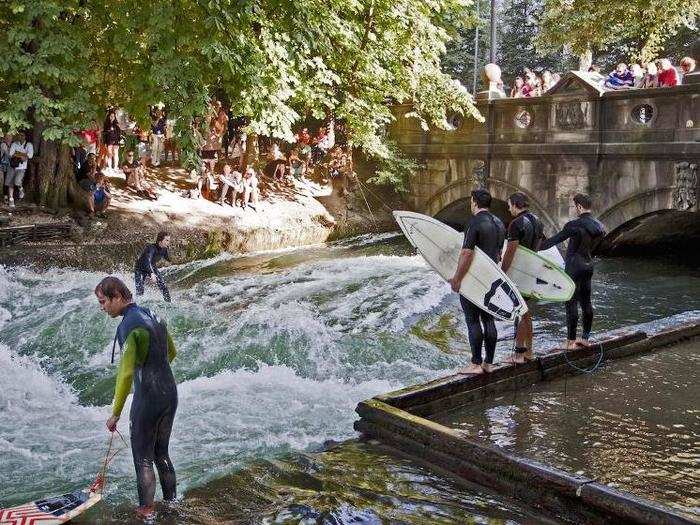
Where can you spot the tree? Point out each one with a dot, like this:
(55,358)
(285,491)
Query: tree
(518,30)
(276,61)
(596,25)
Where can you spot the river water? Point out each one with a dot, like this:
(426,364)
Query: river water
(275,351)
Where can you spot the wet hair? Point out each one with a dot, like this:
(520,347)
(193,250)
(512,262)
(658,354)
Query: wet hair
(161,235)
(583,200)
(111,287)
(482,198)
(519,200)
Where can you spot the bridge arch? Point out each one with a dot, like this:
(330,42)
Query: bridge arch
(499,189)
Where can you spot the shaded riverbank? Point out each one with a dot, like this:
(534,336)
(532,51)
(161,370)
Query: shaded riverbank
(289,215)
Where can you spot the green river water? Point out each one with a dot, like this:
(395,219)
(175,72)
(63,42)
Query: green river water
(275,351)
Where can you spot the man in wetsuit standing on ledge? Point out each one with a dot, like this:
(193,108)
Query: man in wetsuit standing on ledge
(146,268)
(148,350)
(584,234)
(525,230)
(486,231)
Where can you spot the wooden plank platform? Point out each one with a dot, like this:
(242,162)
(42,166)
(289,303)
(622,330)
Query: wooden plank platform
(399,419)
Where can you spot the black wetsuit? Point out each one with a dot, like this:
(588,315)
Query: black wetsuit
(146,265)
(154,403)
(527,229)
(584,234)
(485,231)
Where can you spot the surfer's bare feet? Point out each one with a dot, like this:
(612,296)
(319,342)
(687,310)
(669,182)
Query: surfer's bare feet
(146,512)
(487,367)
(582,342)
(570,344)
(471,369)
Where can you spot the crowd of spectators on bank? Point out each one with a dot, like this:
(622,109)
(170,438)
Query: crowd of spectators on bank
(658,74)
(223,171)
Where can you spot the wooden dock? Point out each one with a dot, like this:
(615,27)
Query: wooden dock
(399,419)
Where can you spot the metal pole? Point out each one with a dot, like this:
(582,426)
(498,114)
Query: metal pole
(476,46)
(494,43)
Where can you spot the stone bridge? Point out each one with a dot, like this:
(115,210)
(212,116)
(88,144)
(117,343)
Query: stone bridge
(635,152)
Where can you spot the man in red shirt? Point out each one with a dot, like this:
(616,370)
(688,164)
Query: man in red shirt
(668,76)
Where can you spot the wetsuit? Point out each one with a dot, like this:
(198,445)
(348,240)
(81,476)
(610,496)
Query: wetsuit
(146,265)
(148,350)
(528,230)
(487,232)
(584,234)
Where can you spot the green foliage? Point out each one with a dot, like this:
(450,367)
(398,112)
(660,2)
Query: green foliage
(394,169)
(519,25)
(276,61)
(596,25)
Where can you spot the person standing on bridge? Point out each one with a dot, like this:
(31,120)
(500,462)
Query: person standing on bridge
(485,231)
(146,265)
(584,234)
(525,230)
(148,351)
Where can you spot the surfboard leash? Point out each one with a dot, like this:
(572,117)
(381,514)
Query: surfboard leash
(101,479)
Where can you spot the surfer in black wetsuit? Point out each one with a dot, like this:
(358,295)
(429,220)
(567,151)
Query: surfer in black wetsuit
(146,268)
(486,231)
(584,234)
(526,230)
(148,350)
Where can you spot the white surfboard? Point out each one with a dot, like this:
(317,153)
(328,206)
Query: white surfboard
(51,511)
(553,255)
(537,276)
(485,284)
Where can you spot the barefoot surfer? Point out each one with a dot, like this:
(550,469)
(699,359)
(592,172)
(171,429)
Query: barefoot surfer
(584,234)
(486,231)
(148,350)
(524,230)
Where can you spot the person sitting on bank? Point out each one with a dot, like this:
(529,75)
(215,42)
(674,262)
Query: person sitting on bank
(136,177)
(524,230)
(206,182)
(146,265)
(584,234)
(147,351)
(231,180)
(251,193)
(486,232)
(101,197)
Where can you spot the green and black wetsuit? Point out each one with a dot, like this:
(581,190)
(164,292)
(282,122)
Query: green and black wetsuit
(148,350)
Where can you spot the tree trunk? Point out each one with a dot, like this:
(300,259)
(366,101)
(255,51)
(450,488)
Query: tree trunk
(585,60)
(252,151)
(53,182)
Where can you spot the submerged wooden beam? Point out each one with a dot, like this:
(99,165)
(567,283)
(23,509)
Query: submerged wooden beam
(399,419)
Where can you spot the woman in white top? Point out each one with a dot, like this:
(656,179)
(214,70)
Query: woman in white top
(21,151)
(250,185)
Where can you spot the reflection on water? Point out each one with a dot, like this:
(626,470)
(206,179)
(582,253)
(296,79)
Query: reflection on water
(350,483)
(275,351)
(633,424)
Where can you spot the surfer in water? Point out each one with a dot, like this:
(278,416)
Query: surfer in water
(147,350)
(526,230)
(146,268)
(485,231)
(584,234)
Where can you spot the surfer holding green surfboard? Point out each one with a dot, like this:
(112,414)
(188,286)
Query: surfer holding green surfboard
(486,232)
(525,230)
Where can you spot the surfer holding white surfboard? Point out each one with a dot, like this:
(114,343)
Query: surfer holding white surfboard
(584,234)
(487,233)
(524,230)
